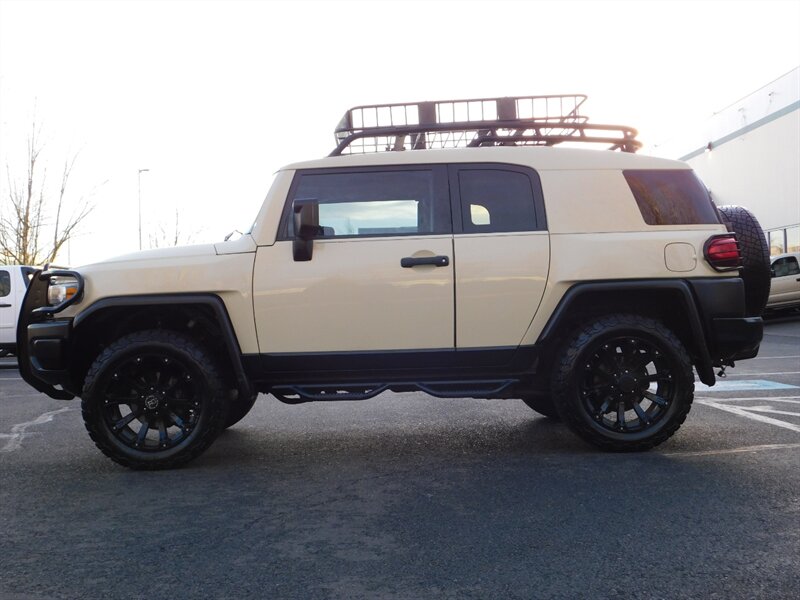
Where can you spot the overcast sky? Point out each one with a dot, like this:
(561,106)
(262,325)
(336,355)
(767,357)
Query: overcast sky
(213,97)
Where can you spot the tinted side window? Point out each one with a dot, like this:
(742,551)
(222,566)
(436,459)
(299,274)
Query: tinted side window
(379,203)
(5,283)
(785,266)
(493,200)
(671,197)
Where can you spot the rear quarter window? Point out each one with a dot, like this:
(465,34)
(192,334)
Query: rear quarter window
(671,197)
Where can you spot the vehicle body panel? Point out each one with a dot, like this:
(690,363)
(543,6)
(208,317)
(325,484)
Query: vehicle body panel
(12,292)
(785,283)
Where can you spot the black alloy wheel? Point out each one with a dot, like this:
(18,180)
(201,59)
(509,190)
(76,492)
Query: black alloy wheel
(627,384)
(624,382)
(153,400)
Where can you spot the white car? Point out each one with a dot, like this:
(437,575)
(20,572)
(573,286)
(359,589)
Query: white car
(14,281)
(785,290)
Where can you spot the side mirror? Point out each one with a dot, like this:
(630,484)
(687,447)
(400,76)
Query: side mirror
(306,227)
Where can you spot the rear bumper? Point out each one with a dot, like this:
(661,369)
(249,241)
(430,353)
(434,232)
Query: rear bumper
(738,339)
(730,335)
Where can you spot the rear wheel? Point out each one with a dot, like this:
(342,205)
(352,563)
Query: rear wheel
(624,383)
(153,400)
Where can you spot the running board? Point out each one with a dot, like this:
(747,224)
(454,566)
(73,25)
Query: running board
(298,394)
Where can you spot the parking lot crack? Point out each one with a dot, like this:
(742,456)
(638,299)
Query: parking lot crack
(13,440)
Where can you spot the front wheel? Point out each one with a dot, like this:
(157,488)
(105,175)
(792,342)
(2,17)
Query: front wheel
(624,382)
(153,400)
(239,409)
(543,405)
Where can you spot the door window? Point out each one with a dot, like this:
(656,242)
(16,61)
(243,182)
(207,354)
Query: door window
(374,203)
(495,200)
(5,283)
(785,266)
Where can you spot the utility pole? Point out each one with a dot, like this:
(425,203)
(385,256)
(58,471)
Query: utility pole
(139,176)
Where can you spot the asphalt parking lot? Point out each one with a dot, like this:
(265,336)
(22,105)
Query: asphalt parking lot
(407,496)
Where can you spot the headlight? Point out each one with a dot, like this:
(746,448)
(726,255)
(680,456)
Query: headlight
(59,291)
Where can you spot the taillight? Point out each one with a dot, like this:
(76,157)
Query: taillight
(722,252)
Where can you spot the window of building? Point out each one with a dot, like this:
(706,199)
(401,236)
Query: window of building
(793,239)
(776,242)
(671,197)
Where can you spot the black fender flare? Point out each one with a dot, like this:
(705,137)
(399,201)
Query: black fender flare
(704,364)
(212,301)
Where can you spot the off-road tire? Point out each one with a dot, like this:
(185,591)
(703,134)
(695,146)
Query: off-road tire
(754,250)
(601,352)
(238,410)
(180,355)
(543,405)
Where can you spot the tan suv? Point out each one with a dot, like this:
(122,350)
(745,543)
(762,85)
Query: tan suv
(445,247)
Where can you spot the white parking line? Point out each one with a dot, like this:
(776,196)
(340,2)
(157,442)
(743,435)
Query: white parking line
(791,399)
(769,409)
(773,357)
(735,450)
(759,374)
(736,410)
(18,431)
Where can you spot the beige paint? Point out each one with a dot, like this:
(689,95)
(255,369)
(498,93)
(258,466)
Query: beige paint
(591,201)
(265,227)
(500,280)
(538,157)
(595,257)
(680,257)
(180,270)
(354,295)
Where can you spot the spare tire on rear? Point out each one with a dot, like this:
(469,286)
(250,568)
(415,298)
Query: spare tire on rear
(755,257)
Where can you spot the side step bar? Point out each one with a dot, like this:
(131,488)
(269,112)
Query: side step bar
(484,388)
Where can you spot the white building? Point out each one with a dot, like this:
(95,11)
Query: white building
(749,154)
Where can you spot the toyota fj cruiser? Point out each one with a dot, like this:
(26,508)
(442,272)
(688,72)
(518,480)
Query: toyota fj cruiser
(446,247)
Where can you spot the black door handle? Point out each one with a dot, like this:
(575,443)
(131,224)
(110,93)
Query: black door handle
(5,306)
(436,261)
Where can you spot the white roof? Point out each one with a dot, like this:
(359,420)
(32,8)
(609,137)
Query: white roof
(542,158)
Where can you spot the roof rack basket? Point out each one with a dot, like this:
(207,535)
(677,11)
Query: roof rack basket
(510,121)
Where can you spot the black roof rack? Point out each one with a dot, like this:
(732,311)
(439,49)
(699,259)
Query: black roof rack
(509,121)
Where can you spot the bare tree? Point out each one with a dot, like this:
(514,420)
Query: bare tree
(36,223)
(170,237)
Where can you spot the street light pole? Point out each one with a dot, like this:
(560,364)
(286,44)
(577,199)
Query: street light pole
(139,176)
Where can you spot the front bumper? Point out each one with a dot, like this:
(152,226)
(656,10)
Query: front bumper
(43,342)
(47,346)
